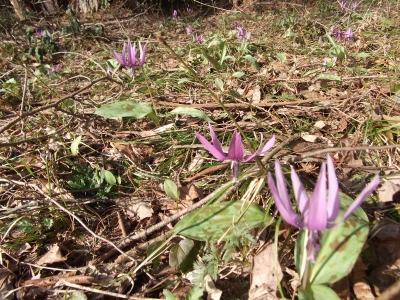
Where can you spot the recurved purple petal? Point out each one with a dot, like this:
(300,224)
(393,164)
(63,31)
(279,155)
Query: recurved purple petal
(236,150)
(214,139)
(281,197)
(262,150)
(212,149)
(300,193)
(333,203)
(119,58)
(365,192)
(317,216)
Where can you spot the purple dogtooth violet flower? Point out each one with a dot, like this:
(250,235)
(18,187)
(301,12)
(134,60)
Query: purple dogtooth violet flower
(343,5)
(174,14)
(348,34)
(189,30)
(128,56)
(199,38)
(189,11)
(235,151)
(318,211)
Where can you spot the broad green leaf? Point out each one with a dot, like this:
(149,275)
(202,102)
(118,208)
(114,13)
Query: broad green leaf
(171,189)
(328,76)
(219,84)
(191,112)
(253,61)
(195,293)
(363,54)
(395,88)
(178,253)
(75,145)
(109,177)
(340,246)
(169,296)
(212,222)
(238,74)
(317,292)
(124,109)
(235,94)
(281,57)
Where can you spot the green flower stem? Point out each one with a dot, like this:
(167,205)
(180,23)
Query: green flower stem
(214,96)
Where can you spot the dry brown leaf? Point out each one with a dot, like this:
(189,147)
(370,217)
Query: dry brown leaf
(265,275)
(361,288)
(190,193)
(135,207)
(52,256)
(212,292)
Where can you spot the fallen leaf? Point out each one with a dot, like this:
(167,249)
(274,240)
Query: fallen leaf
(266,275)
(213,292)
(320,124)
(135,207)
(190,193)
(52,256)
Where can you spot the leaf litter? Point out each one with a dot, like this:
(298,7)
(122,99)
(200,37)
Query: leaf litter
(297,89)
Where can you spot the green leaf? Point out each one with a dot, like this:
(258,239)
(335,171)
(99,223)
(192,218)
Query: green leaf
(219,84)
(317,292)
(238,74)
(178,253)
(311,72)
(171,189)
(77,295)
(195,293)
(395,88)
(213,221)
(75,145)
(328,76)
(340,246)
(109,177)
(281,57)
(191,112)
(169,296)
(253,61)
(124,109)
(48,222)
(363,54)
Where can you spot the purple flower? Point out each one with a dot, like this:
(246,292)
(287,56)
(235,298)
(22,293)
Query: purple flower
(348,34)
(55,68)
(189,11)
(240,31)
(338,34)
(343,5)
(318,211)
(235,151)
(355,5)
(109,72)
(189,30)
(200,38)
(128,56)
(247,36)
(174,14)
(38,33)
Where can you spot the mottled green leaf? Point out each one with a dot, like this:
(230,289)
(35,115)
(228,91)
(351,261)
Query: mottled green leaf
(211,222)
(191,112)
(328,76)
(281,57)
(178,253)
(318,292)
(124,109)
(340,246)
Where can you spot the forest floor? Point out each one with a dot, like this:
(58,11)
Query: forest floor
(80,177)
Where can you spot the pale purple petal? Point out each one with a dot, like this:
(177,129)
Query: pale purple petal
(332,204)
(214,139)
(318,217)
(119,58)
(281,197)
(365,192)
(300,193)
(142,57)
(215,151)
(234,169)
(236,150)
(264,149)
(132,54)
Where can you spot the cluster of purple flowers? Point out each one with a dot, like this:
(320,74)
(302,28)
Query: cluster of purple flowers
(340,34)
(344,5)
(317,212)
(241,32)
